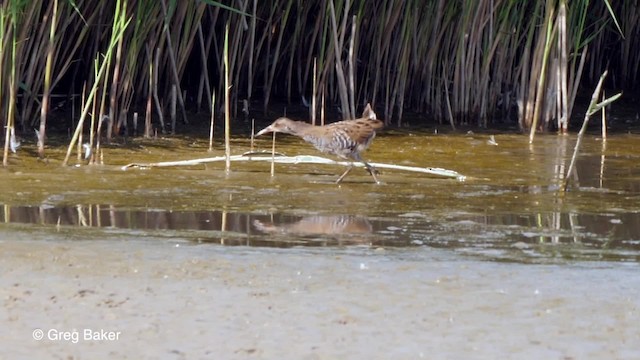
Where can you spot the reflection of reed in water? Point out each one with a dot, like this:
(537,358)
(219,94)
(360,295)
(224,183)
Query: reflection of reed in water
(320,225)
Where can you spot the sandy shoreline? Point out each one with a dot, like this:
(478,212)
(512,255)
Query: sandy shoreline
(174,299)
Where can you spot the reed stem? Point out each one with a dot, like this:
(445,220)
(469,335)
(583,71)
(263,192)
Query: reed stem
(594,107)
(227,102)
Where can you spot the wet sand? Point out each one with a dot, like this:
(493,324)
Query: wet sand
(175,299)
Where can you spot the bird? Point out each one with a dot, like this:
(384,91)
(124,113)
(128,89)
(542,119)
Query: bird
(345,139)
(319,225)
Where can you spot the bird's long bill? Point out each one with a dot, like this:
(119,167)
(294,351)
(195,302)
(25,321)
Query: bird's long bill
(265,130)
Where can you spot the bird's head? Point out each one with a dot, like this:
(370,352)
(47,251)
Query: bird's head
(283,125)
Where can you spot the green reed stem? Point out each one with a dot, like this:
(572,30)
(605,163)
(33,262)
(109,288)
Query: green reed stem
(120,24)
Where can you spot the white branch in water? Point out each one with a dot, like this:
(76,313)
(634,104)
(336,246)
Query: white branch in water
(300,159)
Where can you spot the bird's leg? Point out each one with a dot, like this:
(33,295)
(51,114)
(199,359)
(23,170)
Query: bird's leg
(344,174)
(373,171)
(370,168)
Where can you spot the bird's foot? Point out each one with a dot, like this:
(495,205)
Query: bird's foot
(373,171)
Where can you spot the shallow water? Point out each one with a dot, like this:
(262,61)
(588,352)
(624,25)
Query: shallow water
(509,206)
(499,265)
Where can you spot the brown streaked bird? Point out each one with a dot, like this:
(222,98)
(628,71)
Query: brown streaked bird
(344,139)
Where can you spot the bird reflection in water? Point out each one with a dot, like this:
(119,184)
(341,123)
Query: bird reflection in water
(319,225)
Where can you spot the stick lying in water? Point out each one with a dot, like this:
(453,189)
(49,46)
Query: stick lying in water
(306,159)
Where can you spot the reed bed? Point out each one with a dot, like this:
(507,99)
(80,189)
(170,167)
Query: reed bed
(465,62)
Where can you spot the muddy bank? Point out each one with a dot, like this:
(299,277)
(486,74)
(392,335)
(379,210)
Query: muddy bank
(169,298)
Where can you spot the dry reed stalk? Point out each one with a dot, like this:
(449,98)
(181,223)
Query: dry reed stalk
(253,131)
(135,123)
(172,107)
(93,125)
(172,61)
(337,46)
(310,58)
(352,73)
(270,71)
(540,93)
(398,59)
(314,95)
(101,108)
(80,145)
(148,109)
(295,34)
(563,96)
(154,89)
(115,83)
(448,101)
(322,109)
(213,119)
(47,82)
(3,32)
(604,119)
(28,70)
(204,79)
(227,105)
(9,127)
(252,45)
(237,53)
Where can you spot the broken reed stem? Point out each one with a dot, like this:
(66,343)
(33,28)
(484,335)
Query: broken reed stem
(593,108)
(299,159)
(213,117)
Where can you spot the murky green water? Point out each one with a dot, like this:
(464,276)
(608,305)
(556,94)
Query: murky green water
(508,208)
(498,266)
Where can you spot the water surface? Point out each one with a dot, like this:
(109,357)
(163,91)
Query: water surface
(509,207)
(197,263)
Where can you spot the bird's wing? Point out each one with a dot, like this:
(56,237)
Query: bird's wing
(360,130)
